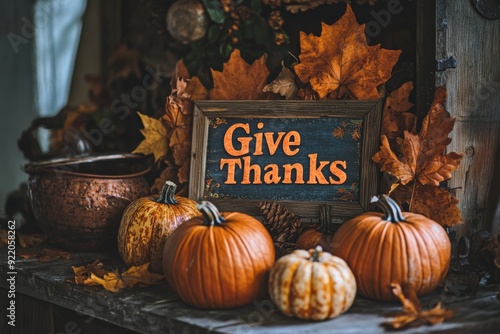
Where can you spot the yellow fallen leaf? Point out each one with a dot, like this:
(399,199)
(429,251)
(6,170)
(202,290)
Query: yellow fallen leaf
(155,138)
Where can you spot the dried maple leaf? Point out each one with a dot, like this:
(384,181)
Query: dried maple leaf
(395,117)
(240,80)
(114,281)
(431,201)
(83,273)
(180,71)
(168,173)
(307,93)
(195,90)
(422,156)
(45,254)
(412,313)
(155,138)
(31,240)
(340,64)
(178,118)
(284,84)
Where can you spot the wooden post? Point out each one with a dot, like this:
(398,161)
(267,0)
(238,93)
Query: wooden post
(474,99)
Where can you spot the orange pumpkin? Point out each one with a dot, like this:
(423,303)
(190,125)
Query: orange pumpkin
(147,222)
(322,236)
(218,260)
(402,247)
(311,238)
(312,285)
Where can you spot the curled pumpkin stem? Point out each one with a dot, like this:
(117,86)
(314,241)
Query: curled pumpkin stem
(315,255)
(167,193)
(210,213)
(391,209)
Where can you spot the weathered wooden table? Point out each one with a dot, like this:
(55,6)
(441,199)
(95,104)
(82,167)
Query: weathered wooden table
(47,303)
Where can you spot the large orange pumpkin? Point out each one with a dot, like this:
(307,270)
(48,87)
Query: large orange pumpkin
(218,260)
(147,222)
(402,247)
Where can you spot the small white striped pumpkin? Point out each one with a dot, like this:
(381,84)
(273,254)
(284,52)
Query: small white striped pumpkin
(312,285)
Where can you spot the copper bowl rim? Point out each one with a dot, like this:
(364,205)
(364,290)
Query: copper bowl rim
(48,166)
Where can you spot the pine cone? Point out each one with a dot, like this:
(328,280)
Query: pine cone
(283,226)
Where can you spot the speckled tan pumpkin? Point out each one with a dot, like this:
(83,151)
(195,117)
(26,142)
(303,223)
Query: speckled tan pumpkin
(393,246)
(147,222)
(312,285)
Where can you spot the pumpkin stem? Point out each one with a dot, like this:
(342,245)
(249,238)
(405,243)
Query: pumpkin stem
(167,194)
(391,209)
(210,213)
(315,255)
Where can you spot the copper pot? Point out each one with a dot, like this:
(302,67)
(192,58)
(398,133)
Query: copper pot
(78,202)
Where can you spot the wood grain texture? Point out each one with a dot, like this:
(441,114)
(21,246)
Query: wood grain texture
(474,99)
(369,111)
(158,310)
(38,311)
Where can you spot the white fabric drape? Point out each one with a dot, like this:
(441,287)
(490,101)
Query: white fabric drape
(58,25)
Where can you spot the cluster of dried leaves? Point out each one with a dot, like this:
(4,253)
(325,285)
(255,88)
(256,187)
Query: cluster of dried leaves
(45,254)
(114,281)
(345,69)
(412,313)
(338,64)
(24,240)
(418,162)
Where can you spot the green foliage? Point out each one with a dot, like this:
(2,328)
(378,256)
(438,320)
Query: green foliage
(245,27)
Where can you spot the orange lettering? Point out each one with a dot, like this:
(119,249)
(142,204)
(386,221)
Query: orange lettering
(272,174)
(288,141)
(247,168)
(258,140)
(231,166)
(315,173)
(299,170)
(271,144)
(228,140)
(338,172)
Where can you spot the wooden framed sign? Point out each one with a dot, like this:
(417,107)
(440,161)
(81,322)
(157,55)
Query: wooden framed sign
(301,153)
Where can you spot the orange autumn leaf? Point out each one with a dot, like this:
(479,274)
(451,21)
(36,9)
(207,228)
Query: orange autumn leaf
(113,281)
(180,71)
(195,90)
(412,314)
(431,201)
(155,138)
(168,173)
(178,119)
(340,64)
(45,254)
(83,273)
(396,117)
(422,156)
(31,240)
(240,80)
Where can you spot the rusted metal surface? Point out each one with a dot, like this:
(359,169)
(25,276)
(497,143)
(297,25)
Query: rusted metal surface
(78,203)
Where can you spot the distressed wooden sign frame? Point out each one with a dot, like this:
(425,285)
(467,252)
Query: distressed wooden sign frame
(208,111)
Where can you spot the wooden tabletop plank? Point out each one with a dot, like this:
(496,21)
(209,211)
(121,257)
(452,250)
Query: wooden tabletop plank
(157,309)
